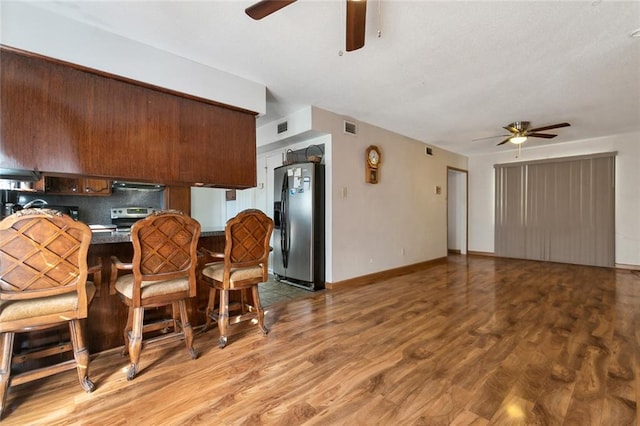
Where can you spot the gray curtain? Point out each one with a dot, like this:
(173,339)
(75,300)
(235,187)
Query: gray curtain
(559,210)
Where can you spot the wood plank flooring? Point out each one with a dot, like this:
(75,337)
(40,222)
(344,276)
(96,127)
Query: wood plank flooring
(475,341)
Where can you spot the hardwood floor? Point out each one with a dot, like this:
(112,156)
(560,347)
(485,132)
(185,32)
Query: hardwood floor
(477,340)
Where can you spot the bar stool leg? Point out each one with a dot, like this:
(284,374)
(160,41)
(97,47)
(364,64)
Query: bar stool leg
(135,342)
(127,330)
(258,306)
(5,368)
(209,311)
(175,315)
(188,330)
(81,354)
(223,319)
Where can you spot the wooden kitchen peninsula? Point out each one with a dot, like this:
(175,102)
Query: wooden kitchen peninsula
(107,314)
(206,236)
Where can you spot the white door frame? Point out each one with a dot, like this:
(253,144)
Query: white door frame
(457,210)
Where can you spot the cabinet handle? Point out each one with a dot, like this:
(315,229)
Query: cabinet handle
(89,189)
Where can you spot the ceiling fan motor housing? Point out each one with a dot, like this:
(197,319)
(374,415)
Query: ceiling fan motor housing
(520,131)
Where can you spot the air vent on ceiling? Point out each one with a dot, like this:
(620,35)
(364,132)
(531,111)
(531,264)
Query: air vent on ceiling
(283,127)
(350,128)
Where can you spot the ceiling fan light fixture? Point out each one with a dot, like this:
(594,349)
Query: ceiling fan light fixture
(518,139)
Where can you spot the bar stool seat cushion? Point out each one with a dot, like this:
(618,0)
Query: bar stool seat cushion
(124,286)
(13,310)
(215,271)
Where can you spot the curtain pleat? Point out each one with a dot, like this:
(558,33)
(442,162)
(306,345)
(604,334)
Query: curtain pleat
(560,210)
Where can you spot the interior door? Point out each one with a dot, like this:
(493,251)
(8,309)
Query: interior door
(457,210)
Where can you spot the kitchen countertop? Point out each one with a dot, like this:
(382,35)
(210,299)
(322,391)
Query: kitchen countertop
(125,236)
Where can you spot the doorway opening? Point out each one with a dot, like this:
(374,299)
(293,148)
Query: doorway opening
(457,210)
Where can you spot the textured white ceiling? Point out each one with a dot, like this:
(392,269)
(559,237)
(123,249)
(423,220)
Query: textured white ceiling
(440,72)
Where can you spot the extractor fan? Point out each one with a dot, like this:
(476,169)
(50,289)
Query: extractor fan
(356,17)
(520,131)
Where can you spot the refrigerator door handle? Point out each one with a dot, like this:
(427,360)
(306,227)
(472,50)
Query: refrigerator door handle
(284,222)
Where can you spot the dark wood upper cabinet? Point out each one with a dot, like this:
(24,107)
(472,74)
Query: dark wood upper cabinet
(133,131)
(41,119)
(198,151)
(61,118)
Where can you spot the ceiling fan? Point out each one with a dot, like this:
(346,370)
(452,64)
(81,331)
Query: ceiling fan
(356,17)
(520,131)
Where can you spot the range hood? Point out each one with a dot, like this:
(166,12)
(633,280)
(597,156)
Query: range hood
(19,175)
(119,185)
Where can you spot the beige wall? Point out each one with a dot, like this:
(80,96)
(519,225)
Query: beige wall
(373,225)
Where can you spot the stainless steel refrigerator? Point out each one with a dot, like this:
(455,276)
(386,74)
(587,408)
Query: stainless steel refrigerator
(298,236)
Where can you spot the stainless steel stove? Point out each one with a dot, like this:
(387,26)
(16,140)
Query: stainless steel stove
(125,217)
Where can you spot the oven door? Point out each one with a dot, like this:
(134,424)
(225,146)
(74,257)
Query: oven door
(124,224)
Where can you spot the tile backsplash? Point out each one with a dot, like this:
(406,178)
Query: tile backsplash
(97,209)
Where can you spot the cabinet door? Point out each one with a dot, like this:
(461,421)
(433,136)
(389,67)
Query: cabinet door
(76,186)
(62,185)
(178,198)
(217,145)
(42,105)
(97,187)
(133,130)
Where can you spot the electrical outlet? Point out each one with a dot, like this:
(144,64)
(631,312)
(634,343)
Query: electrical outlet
(344,192)
(438,190)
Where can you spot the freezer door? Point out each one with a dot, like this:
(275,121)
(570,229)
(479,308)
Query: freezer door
(279,203)
(301,221)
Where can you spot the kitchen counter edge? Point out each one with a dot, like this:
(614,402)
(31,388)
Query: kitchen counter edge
(125,237)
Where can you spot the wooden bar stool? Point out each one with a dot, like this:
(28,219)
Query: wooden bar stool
(243,266)
(163,273)
(43,283)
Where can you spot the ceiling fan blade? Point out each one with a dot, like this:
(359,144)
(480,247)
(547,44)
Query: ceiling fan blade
(504,141)
(356,20)
(511,129)
(266,7)
(490,137)
(541,135)
(553,126)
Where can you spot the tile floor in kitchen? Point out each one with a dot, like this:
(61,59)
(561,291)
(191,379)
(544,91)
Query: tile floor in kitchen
(273,292)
